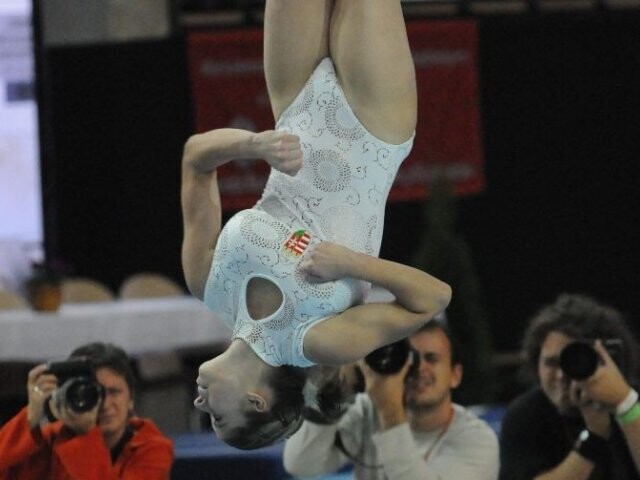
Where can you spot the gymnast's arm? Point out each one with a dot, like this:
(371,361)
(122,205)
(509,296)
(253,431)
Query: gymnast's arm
(359,330)
(201,210)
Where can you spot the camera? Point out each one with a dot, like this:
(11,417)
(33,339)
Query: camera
(78,387)
(391,358)
(579,360)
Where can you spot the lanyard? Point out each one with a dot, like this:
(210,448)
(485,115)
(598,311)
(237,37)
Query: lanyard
(440,435)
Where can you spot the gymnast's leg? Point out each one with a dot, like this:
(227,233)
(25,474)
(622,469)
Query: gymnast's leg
(369,47)
(296,38)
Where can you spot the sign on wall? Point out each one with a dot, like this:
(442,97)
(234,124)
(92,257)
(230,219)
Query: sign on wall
(230,91)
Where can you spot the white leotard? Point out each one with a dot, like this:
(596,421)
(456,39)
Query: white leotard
(338,195)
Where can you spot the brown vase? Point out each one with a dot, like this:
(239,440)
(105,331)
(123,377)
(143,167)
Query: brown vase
(45,297)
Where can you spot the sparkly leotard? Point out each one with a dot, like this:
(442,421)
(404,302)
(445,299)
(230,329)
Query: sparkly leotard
(339,195)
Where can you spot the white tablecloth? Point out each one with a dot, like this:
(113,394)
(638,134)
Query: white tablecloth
(138,326)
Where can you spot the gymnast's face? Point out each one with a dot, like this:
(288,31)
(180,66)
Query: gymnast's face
(225,398)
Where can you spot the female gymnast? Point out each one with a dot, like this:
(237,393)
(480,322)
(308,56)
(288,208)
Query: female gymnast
(289,275)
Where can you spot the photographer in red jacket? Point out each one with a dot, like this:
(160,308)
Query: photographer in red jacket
(78,424)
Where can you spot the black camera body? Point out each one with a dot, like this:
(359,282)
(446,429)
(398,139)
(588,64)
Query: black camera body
(390,359)
(579,360)
(78,387)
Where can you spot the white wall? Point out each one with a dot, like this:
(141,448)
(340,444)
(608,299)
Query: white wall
(20,198)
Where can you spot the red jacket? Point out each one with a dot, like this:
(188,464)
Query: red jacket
(54,452)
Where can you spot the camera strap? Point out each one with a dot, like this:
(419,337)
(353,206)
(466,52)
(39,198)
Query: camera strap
(118,447)
(340,446)
(48,412)
(442,433)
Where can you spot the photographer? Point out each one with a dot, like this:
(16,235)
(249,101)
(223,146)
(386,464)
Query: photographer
(578,423)
(91,433)
(405,426)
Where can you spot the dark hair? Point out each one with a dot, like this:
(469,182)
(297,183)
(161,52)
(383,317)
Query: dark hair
(334,395)
(281,420)
(106,355)
(454,343)
(581,317)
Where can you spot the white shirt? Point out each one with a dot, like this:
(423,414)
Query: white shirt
(339,195)
(468,449)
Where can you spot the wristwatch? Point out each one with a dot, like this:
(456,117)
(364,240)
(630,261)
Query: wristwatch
(591,446)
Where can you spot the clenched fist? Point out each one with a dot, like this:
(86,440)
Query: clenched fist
(281,150)
(328,261)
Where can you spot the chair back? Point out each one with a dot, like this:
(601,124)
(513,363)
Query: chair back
(12,301)
(85,290)
(146,285)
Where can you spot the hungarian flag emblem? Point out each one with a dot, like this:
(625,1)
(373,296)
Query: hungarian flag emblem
(297,243)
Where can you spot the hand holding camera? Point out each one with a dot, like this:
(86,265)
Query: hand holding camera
(40,385)
(607,385)
(385,372)
(387,368)
(77,385)
(66,390)
(593,364)
(596,418)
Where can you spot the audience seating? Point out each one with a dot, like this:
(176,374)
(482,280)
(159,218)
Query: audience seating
(85,290)
(12,301)
(146,284)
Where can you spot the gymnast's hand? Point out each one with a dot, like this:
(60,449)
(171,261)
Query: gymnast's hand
(281,150)
(328,261)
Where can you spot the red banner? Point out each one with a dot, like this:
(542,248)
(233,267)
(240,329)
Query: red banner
(230,91)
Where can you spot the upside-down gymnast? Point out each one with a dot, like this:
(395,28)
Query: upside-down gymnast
(289,275)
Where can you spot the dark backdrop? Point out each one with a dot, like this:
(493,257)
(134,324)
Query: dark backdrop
(115,118)
(560,97)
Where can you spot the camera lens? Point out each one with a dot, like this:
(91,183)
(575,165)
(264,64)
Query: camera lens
(390,358)
(81,394)
(578,360)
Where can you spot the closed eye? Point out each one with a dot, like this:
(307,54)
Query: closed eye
(430,357)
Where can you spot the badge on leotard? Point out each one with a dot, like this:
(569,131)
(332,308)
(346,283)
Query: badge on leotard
(297,243)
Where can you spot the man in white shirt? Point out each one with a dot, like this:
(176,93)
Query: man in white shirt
(403,427)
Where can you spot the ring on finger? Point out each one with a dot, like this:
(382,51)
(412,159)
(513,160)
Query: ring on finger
(37,389)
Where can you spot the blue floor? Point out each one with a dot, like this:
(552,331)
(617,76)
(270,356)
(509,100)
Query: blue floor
(201,456)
